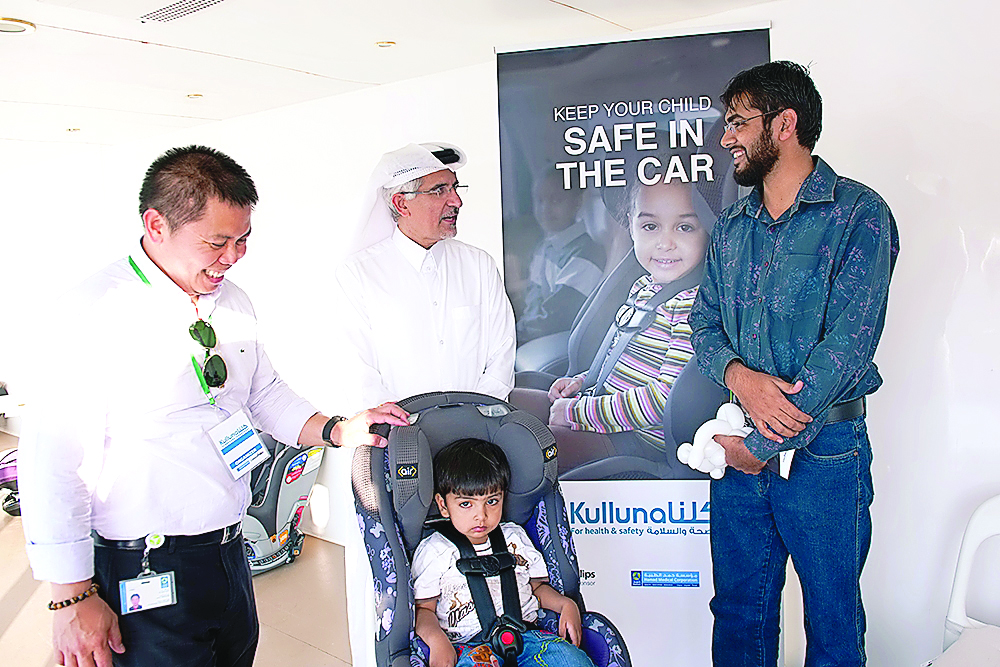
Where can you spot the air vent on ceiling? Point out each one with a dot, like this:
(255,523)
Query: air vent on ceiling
(178,10)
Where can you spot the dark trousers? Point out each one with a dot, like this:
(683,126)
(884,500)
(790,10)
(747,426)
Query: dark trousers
(214,622)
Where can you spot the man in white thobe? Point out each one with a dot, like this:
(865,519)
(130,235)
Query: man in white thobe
(430,314)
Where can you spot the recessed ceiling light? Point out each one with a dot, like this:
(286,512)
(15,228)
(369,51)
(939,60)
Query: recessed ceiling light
(72,129)
(195,96)
(385,45)
(16,26)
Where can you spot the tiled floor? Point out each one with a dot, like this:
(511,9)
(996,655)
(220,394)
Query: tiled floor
(302,606)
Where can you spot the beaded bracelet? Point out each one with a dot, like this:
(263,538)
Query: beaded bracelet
(79,598)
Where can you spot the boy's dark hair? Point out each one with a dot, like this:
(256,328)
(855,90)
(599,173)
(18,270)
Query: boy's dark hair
(471,467)
(179,183)
(779,85)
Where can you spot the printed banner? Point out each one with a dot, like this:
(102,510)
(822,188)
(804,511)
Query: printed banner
(645,564)
(612,178)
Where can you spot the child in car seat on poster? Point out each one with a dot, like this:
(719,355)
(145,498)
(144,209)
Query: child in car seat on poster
(616,407)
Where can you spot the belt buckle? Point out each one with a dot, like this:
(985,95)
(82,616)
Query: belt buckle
(229,533)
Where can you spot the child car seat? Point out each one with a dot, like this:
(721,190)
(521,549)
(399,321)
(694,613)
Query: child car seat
(280,489)
(9,500)
(394,489)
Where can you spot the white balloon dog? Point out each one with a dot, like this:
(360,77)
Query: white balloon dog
(705,454)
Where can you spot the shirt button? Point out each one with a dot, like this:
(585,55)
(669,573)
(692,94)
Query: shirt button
(755,336)
(766,264)
(435,303)
(441,342)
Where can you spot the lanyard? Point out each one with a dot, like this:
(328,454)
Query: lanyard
(194,360)
(138,271)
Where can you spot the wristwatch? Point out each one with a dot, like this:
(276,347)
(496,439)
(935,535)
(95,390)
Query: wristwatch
(328,429)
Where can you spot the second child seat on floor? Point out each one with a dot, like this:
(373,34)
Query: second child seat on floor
(280,488)
(394,489)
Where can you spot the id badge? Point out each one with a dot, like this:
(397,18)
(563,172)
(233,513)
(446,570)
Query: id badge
(149,592)
(239,444)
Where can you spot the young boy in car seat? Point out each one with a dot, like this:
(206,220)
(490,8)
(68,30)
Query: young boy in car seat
(470,479)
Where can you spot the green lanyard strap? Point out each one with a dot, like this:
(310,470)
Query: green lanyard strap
(138,271)
(201,379)
(194,360)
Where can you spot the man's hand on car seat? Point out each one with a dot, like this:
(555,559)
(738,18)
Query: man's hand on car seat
(354,432)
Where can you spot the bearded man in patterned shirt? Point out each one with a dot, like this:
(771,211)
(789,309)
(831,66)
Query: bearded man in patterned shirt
(788,317)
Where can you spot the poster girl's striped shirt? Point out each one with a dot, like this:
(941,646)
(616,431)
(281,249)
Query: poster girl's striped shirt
(636,390)
(802,297)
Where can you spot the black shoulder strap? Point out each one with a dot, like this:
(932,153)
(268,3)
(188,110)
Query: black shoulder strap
(476,568)
(508,580)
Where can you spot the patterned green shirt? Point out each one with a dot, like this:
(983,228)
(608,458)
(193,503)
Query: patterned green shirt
(802,297)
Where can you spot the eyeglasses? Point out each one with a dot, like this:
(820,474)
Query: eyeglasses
(442,190)
(735,125)
(214,368)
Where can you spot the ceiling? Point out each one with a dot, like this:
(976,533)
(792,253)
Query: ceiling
(112,71)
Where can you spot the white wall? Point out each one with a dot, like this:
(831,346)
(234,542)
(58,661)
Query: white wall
(909,91)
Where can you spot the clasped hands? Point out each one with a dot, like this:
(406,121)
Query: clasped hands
(763,397)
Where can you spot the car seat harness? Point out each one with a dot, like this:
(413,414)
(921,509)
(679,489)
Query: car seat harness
(632,319)
(502,633)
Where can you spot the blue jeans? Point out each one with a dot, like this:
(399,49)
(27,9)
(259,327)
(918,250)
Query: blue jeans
(541,649)
(820,516)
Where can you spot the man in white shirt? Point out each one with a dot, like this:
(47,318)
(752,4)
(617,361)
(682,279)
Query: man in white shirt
(124,490)
(431,311)
(430,314)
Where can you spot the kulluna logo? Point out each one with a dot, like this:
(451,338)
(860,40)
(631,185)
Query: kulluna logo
(607,513)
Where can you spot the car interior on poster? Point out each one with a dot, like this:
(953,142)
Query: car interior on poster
(609,151)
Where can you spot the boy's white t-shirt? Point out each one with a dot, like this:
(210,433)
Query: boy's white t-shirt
(435,574)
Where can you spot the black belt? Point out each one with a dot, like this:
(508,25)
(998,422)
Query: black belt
(841,412)
(220,536)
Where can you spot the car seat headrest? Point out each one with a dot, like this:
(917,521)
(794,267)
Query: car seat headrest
(526,441)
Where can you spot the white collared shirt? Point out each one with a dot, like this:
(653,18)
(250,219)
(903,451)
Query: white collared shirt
(424,320)
(115,435)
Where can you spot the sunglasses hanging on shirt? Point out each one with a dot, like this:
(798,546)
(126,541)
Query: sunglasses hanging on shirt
(212,372)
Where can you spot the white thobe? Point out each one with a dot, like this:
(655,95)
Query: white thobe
(423,320)
(426,320)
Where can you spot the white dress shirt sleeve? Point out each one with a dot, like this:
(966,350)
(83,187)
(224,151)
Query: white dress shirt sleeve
(61,452)
(498,377)
(275,408)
